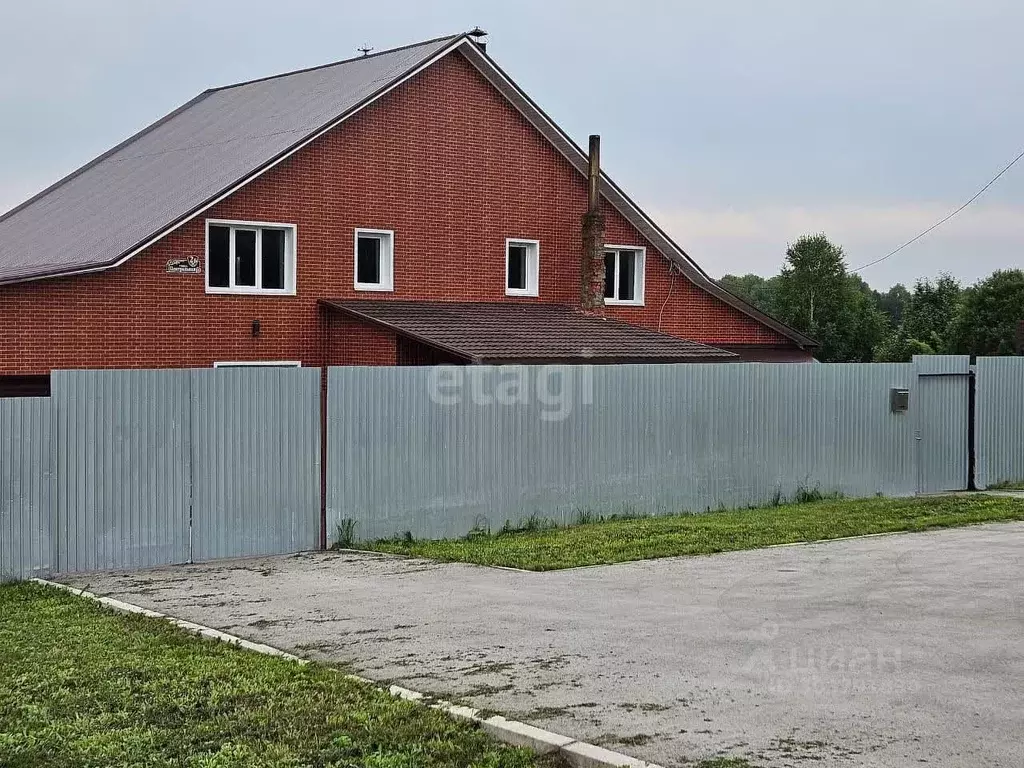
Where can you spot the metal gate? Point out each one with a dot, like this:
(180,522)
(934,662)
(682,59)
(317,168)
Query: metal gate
(941,407)
(169,466)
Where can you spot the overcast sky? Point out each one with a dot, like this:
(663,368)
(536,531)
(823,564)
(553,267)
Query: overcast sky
(739,124)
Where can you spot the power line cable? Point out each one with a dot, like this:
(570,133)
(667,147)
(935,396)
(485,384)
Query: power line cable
(939,223)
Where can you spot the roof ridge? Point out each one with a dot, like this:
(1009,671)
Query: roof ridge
(338,63)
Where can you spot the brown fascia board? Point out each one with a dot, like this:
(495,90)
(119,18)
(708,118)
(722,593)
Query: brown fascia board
(633,213)
(397,330)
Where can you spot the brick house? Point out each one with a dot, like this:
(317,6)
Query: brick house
(407,207)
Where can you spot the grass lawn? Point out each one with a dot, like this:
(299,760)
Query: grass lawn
(649,537)
(80,686)
(1008,485)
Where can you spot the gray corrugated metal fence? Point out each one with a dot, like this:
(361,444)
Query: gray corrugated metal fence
(409,449)
(256,459)
(123,468)
(168,466)
(27,488)
(999,422)
(133,468)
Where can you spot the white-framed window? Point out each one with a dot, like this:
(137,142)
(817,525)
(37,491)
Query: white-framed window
(250,257)
(624,274)
(374,260)
(258,364)
(522,266)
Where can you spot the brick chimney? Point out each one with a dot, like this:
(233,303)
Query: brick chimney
(592,272)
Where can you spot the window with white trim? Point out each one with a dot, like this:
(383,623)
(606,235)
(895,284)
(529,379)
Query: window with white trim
(250,257)
(624,274)
(374,259)
(522,262)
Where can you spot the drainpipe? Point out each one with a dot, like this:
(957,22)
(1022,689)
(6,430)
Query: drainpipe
(592,264)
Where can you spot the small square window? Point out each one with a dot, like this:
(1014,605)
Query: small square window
(517,267)
(624,275)
(374,259)
(368,260)
(250,258)
(522,260)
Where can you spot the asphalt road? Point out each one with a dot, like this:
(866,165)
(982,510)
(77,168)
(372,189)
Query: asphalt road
(888,651)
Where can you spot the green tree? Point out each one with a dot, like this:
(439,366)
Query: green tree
(925,321)
(816,295)
(930,311)
(897,348)
(989,317)
(893,303)
(866,325)
(812,283)
(754,289)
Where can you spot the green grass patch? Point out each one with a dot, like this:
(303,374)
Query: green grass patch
(1008,485)
(83,687)
(616,541)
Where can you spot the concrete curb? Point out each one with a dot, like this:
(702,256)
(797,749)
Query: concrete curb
(578,754)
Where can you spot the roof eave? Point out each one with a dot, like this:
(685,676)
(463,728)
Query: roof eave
(28,277)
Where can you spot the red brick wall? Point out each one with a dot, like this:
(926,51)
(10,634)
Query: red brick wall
(350,342)
(444,161)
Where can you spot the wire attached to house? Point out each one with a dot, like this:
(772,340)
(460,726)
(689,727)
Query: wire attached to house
(939,223)
(672,269)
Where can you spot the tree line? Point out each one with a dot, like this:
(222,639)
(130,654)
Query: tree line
(817,294)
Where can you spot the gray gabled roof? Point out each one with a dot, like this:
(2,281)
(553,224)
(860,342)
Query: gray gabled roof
(121,202)
(105,211)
